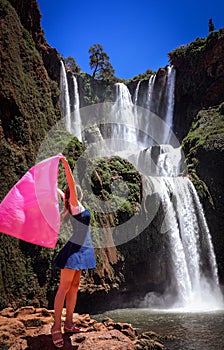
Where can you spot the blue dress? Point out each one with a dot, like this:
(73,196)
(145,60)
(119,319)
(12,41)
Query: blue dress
(78,252)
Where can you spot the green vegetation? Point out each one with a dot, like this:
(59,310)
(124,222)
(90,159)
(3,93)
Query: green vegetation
(28,98)
(142,76)
(206,131)
(100,63)
(25,272)
(96,91)
(3,8)
(114,181)
(28,39)
(29,108)
(71,65)
(196,47)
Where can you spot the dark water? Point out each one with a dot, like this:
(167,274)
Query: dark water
(192,331)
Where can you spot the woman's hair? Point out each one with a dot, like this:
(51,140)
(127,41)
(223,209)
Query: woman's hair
(67,196)
(66,199)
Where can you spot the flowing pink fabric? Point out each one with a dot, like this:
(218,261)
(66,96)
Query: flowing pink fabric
(30,210)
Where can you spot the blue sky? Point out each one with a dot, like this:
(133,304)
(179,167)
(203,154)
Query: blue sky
(137,35)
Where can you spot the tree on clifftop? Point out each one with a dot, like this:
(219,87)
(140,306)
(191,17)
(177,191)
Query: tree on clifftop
(99,62)
(71,64)
(211,26)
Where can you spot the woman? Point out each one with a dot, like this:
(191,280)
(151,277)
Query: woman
(77,254)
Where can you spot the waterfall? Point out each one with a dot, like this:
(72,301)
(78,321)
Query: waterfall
(69,104)
(144,138)
(127,120)
(125,125)
(147,123)
(75,113)
(136,93)
(123,102)
(136,99)
(195,282)
(150,91)
(159,104)
(170,87)
(64,98)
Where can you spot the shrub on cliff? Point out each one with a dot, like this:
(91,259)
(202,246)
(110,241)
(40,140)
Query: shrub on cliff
(206,134)
(195,47)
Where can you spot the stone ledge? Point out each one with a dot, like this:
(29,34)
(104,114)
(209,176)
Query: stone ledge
(30,329)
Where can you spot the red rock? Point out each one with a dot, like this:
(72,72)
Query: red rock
(31,329)
(26,310)
(8,312)
(103,340)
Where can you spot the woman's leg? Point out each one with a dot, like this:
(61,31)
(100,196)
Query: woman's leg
(66,281)
(71,298)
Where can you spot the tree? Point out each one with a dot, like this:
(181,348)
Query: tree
(142,76)
(99,62)
(71,64)
(211,26)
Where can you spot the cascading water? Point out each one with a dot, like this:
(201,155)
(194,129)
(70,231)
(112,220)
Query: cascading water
(69,104)
(136,98)
(170,87)
(64,98)
(125,123)
(147,120)
(136,93)
(149,92)
(184,222)
(154,100)
(75,113)
(188,236)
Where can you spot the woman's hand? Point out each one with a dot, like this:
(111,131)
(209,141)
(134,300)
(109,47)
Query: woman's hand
(64,160)
(71,182)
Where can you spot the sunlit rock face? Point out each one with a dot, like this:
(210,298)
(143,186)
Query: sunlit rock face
(29,15)
(199,79)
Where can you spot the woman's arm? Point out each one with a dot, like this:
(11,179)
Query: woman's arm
(71,182)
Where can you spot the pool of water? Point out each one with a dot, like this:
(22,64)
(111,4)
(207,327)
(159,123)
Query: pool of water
(192,330)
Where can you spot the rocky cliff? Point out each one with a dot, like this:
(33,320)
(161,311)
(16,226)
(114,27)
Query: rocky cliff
(199,78)
(30,17)
(29,107)
(28,97)
(29,100)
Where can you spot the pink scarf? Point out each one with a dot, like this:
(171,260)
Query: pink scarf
(30,210)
